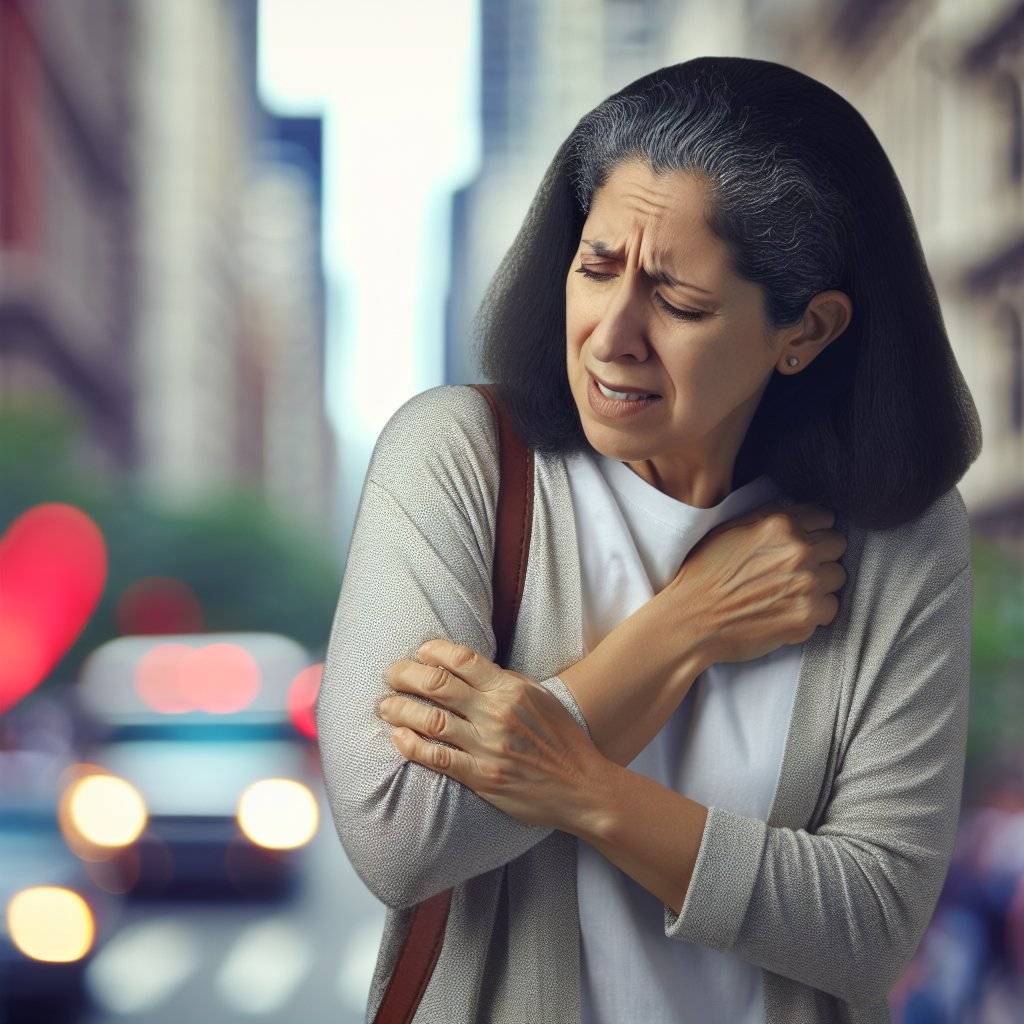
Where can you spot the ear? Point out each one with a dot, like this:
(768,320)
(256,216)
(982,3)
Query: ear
(827,316)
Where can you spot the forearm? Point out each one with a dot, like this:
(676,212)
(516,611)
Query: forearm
(650,832)
(629,685)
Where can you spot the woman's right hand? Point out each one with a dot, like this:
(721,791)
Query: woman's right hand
(759,581)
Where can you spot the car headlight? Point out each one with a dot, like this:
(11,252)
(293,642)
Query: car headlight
(279,814)
(51,923)
(106,810)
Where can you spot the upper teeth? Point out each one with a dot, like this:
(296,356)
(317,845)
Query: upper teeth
(627,396)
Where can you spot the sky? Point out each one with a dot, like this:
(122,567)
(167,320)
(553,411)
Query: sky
(396,84)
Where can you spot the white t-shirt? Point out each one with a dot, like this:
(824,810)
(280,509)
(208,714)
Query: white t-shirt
(723,746)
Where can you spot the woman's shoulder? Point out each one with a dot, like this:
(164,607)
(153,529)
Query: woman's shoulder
(443,415)
(440,439)
(899,573)
(936,542)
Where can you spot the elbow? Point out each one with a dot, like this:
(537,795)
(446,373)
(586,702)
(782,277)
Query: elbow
(396,849)
(392,895)
(868,986)
(896,907)
(385,865)
(874,978)
(364,802)
(890,961)
(859,979)
(397,890)
(898,935)
(880,964)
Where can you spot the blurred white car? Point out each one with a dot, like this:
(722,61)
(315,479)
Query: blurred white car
(199,779)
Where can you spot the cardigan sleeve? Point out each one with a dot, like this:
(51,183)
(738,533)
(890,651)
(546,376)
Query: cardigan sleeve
(843,908)
(419,566)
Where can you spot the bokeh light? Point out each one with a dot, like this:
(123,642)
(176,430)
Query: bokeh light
(53,566)
(302,694)
(50,923)
(280,814)
(158,604)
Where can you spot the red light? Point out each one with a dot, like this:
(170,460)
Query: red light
(157,678)
(219,678)
(53,565)
(302,693)
(158,604)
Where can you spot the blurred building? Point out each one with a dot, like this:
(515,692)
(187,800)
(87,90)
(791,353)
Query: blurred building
(138,283)
(192,149)
(67,202)
(284,305)
(530,98)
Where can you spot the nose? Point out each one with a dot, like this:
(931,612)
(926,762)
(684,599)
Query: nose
(622,327)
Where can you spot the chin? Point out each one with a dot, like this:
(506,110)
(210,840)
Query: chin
(608,447)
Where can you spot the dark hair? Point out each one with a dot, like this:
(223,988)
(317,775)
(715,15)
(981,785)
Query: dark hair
(803,195)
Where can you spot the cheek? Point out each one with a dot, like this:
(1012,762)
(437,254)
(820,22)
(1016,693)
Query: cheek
(575,330)
(572,309)
(698,377)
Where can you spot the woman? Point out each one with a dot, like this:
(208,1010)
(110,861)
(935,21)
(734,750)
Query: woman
(713,791)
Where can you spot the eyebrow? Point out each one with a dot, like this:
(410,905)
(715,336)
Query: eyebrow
(656,274)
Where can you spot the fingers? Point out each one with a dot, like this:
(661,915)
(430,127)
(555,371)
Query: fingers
(828,545)
(833,576)
(432,682)
(428,720)
(811,517)
(446,760)
(461,660)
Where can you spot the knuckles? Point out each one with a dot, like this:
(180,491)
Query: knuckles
(463,656)
(435,680)
(437,722)
(506,718)
(442,758)
(779,525)
(412,674)
(494,774)
(807,581)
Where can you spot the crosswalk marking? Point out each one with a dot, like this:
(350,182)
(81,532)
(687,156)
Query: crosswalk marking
(264,966)
(141,965)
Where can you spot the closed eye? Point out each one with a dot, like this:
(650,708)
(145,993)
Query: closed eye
(679,314)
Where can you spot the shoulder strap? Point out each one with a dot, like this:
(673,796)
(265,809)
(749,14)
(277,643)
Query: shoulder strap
(423,941)
(514,520)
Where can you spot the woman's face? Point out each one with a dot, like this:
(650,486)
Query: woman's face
(709,362)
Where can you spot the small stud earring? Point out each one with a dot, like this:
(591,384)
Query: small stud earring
(792,360)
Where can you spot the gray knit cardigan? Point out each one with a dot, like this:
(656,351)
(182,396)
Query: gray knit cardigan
(829,897)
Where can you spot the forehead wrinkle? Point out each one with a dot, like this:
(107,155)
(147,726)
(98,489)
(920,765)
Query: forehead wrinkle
(663,259)
(642,205)
(657,271)
(643,201)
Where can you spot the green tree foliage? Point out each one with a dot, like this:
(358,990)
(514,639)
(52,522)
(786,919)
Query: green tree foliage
(997,655)
(249,568)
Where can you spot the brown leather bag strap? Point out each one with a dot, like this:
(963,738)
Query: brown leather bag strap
(423,941)
(514,519)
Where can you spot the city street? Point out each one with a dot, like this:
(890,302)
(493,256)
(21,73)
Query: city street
(308,957)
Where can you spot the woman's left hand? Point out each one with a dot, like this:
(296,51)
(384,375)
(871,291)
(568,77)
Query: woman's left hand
(517,746)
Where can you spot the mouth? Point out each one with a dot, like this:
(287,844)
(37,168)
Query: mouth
(621,410)
(622,389)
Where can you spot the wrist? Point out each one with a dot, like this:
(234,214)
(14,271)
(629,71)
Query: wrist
(670,625)
(633,680)
(594,812)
